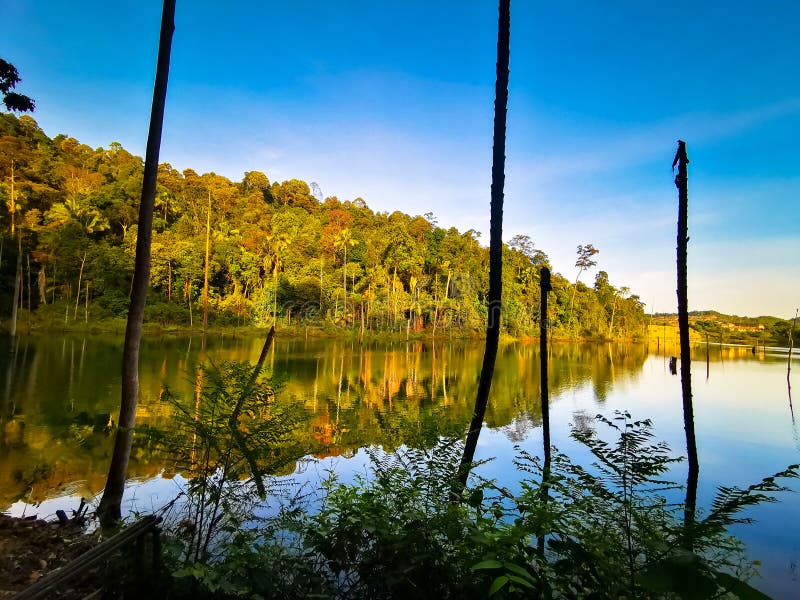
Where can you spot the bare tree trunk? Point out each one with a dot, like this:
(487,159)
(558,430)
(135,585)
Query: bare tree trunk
(543,327)
(205,274)
(41,284)
(435,309)
(78,295)
(439,303)
(545,286)
(495,241)
(613,314)
(13,209)
(361,332)
(682,183)
(394,296)
(28,259)
(109,509)
(17,280)
(369,307)
(789,362)
(86,306)
(275,296)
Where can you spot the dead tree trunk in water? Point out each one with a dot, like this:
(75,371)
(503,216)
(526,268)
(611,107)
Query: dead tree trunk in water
(682,183)
(544,323)
(545,286)
(789,362)
(495,241)
(109,509)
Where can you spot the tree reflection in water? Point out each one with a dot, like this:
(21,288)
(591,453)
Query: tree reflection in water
(355,395)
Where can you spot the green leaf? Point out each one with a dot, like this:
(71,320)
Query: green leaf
(521,581)
(519,571)
(487,564)
(498,584)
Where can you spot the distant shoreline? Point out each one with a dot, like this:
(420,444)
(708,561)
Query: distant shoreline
(659,333)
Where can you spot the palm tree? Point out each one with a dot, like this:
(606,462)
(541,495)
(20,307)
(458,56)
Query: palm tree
(495,240)
(344,239)
(278,243)
(109,509)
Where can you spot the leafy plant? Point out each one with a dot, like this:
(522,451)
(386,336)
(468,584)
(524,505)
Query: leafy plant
(397,534)
(231,437)
(609,527)
(612,533)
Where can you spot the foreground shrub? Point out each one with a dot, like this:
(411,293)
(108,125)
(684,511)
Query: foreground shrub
(611,529)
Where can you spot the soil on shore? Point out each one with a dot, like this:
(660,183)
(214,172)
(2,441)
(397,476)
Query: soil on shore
(31,548)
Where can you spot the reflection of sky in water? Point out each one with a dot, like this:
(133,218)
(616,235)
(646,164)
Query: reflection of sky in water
(743,423)
(744,432)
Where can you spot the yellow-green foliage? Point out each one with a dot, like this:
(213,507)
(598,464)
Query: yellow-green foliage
(277,253)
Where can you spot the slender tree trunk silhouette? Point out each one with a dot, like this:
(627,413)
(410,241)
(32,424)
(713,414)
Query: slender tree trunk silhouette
(789,362)
(109,508)
(495,240)
(545,286)
(682,183)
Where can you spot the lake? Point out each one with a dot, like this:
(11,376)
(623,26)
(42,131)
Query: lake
(58,395)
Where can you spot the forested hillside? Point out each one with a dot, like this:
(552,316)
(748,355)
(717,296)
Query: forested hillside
(719,327)
(276,252)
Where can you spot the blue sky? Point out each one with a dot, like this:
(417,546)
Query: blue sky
(392,101)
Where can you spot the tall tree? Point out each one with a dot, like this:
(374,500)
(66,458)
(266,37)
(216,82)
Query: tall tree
(15,102)
(18,274)
(584,262)
(495,240)
(682,183)
(343,240)
(9,78)
(69,199)
(109,509)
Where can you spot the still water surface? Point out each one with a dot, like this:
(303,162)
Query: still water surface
(57,394)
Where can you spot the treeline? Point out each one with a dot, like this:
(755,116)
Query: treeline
(719,327)
(257,252)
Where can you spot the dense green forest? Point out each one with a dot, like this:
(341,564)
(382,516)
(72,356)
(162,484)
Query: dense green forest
(274,252)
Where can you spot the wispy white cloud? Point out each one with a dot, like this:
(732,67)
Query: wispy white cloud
(626,146)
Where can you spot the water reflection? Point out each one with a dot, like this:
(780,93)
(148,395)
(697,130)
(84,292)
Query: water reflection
(59,396)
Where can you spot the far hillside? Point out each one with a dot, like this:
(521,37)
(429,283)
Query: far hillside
(730,328)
